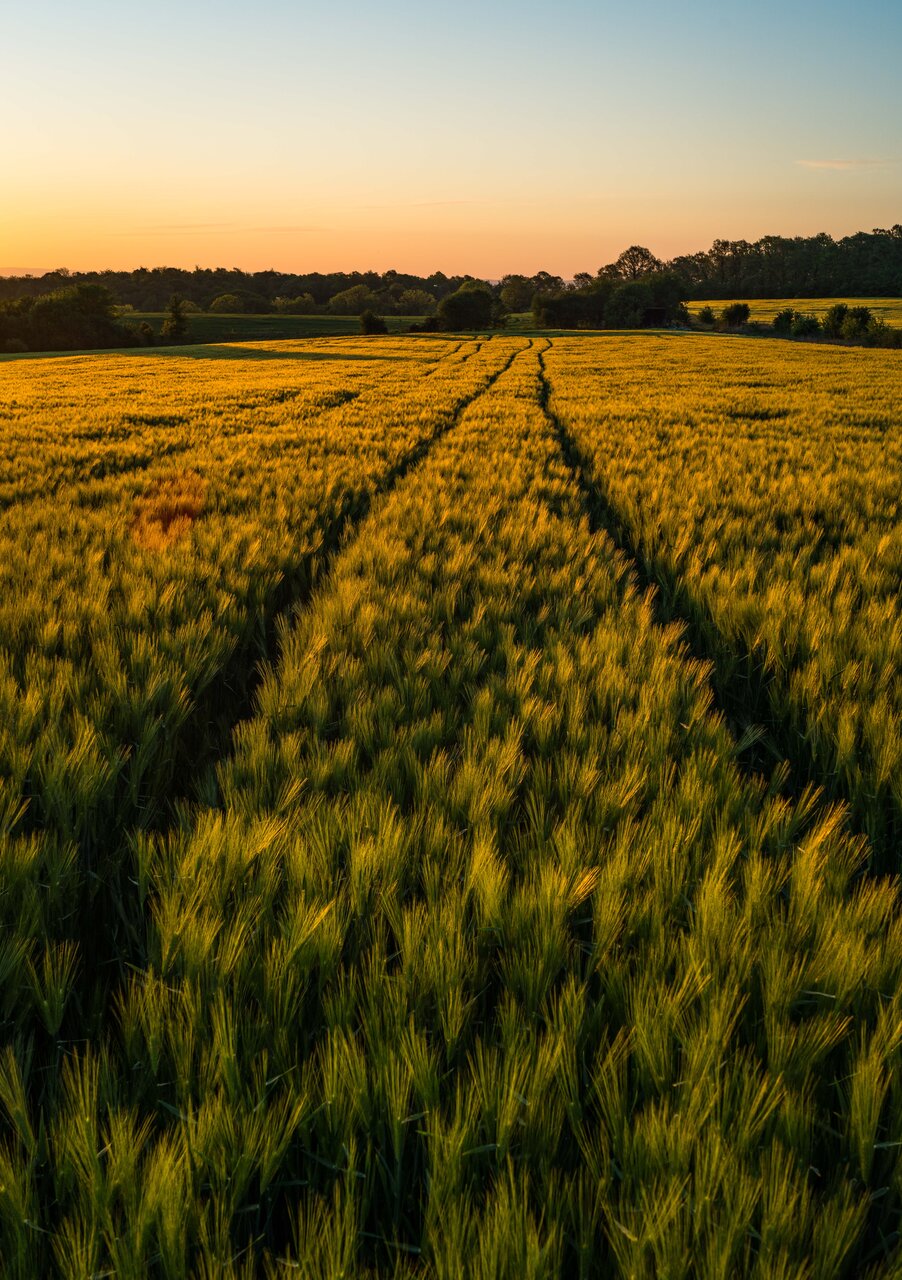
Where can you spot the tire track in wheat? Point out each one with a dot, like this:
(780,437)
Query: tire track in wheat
(765,744)
(205,738)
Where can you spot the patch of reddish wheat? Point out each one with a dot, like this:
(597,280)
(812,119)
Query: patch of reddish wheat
(167,510)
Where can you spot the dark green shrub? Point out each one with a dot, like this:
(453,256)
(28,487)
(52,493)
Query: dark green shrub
(832,323)
(881,334)
(371,323)
(240,302)
(805,327)
(784,320)
(175,326)
(706,316)
(303,305)
(735,315)
(855,325)
(226,302)
(470,307)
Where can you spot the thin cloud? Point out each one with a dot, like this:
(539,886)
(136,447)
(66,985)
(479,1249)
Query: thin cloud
(214,229)
(424,204)
(844,165)
(180,228)
(292,229)
(437,204)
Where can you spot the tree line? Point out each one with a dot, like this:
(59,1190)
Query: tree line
(865,264)
(65,310)
(253,292)
(82,316)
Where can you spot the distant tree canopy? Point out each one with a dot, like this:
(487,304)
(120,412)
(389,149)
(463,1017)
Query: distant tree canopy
(371,323)
(150,289)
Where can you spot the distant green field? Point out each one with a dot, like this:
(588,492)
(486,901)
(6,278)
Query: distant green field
(764,309)
(216,327)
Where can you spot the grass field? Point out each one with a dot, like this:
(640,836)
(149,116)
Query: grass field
(450,803)
(764,309)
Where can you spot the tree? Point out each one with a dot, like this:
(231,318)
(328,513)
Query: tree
(371,323)
(736,314)
(353,301)
(229,303)
(805,327)
(573,308)
(517,293)
(655,301)
(634,263)
(470,307)
(240,302)
(628,305)
(856,321)
(833,321)
(175,326)
(438,284)
(544,282)
(303,305)
(416,302)
(81,315)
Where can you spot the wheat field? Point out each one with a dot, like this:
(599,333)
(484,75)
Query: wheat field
(450,802)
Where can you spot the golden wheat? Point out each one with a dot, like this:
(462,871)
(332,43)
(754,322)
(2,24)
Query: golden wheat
(391,883)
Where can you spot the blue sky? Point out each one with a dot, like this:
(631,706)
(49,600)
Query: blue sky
(481,137)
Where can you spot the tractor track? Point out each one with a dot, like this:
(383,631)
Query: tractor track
(768,745)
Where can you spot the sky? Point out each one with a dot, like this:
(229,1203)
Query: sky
(480,136)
